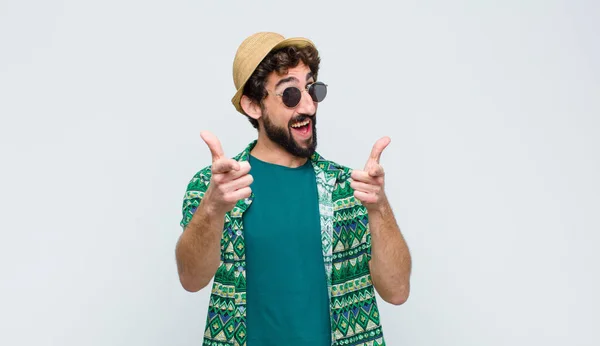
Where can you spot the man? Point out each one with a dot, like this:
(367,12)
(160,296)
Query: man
(296,244)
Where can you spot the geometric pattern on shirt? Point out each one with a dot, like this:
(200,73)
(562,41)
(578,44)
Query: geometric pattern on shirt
(346,247)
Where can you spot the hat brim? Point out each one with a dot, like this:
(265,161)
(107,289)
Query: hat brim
(293,41)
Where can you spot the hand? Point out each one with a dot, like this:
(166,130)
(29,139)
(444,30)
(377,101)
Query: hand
(368,184)
(230,180)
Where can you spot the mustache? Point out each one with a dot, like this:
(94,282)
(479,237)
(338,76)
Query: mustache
(302,117)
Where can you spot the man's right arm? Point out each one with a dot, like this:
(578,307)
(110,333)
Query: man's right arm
(198,250)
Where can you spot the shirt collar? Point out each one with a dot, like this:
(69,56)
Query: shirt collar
(330,168)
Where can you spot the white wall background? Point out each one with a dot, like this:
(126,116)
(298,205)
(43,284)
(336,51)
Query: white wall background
(493,108)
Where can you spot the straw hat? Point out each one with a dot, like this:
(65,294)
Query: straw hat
(250,54)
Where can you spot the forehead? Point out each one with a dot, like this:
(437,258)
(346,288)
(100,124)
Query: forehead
(294,75)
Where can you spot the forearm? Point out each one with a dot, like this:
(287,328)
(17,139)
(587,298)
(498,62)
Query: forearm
(390,261)
(198,249)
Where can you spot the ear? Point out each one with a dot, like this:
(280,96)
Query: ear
(251,108)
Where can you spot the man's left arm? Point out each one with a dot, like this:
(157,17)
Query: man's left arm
(391,262)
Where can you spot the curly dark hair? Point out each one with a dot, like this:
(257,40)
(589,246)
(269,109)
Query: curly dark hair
(279,61)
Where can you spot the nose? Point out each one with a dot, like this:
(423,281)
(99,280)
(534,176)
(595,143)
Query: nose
(306,105)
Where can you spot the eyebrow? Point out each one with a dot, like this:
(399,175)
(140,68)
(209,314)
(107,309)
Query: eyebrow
(292,78)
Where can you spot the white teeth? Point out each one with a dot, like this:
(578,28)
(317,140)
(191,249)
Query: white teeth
(305,122)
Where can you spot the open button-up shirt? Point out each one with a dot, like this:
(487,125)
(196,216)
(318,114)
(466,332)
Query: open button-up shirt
(346,244)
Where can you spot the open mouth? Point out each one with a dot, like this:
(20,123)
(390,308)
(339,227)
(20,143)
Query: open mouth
(303,128)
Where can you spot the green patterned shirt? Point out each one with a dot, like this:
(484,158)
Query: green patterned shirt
(346,245)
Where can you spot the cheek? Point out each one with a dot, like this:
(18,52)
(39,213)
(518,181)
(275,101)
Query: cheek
(281,117)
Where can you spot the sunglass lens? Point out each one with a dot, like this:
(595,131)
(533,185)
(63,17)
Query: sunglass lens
(291,96)
(318,91)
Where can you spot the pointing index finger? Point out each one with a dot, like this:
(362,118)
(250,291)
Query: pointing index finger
(378,147)
(213,145)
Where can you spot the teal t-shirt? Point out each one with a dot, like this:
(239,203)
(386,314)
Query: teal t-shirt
(286,288)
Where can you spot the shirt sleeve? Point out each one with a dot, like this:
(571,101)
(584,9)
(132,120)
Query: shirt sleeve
(194,193)
(364,219)
(360,212)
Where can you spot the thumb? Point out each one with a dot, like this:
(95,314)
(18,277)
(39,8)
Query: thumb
(213,145)
(378,147)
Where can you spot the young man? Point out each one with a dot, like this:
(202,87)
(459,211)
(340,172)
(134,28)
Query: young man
(297,244)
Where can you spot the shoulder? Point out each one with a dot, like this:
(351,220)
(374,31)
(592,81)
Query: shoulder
(342,193)
(195,190)
(200,180)
(341,172)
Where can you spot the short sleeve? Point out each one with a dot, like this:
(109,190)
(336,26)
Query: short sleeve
(194,193)
(367,233)
(362,218)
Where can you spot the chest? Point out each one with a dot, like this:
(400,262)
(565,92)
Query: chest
(284,214)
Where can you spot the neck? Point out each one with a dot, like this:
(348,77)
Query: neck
(271,152)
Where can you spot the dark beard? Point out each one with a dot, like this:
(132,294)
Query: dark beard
(285,139)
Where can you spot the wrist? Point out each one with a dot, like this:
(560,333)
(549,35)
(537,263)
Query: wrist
(380,208)
(376,211)
(211,207)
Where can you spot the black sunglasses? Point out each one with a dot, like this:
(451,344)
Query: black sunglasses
(291,95)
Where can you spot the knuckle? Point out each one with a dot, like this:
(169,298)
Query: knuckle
(217,178)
